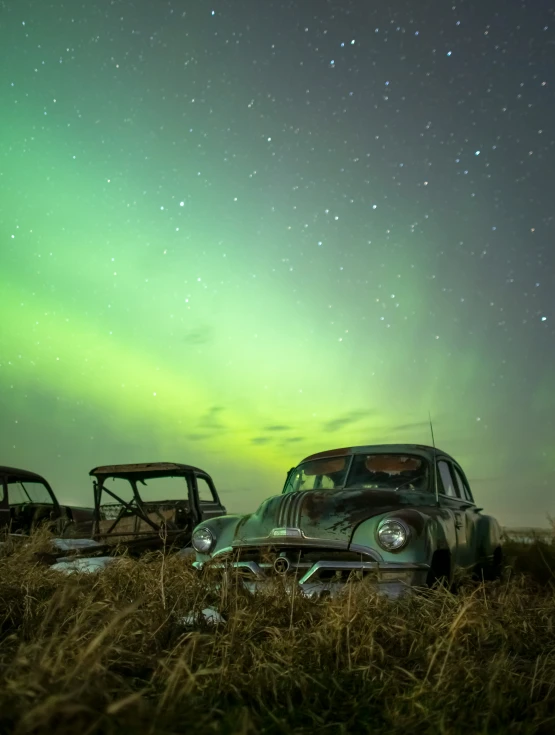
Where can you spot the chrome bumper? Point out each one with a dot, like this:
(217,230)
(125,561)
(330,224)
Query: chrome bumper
(393,578)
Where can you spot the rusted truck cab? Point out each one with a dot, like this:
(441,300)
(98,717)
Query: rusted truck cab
(151,505)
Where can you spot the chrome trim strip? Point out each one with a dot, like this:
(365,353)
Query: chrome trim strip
(282,519)
(320,565)
(252,565)
(284,509)
(366,551)
(295,515)
(295,565)
(360,565)
(281,503)
(277,510)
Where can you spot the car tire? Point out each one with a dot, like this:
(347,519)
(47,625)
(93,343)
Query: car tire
(494,569)
(440,570)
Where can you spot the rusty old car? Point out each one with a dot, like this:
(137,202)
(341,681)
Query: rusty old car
(401,516)
(141,507)
(27,501)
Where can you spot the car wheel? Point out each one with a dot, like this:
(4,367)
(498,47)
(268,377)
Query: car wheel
(493,570)
(440,570)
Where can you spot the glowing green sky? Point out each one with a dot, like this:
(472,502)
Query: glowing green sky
(229,241)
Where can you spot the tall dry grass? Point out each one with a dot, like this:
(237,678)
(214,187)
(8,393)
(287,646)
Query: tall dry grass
(108,654)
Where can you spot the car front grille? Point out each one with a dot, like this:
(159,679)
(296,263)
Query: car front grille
(300,555)
(328,564)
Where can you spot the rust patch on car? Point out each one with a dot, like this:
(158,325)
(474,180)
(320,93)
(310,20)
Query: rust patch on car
(340,511)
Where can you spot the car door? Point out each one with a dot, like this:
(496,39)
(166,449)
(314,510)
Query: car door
(208,502)
(450,500)
(4,504)
(471,513)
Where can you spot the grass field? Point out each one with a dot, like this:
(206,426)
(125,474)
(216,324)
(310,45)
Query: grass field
(108,654)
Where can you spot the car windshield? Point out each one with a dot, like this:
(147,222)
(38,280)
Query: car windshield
(320,474)
(152,489)
(390,471)
(28,492)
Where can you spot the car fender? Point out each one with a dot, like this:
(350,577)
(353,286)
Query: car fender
(441,533)
(417,550)
(223,528)
(488,536)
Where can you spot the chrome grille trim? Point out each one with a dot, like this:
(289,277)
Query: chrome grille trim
(289,509)
(295,512)
(283,507)
(350,566)
(258,570)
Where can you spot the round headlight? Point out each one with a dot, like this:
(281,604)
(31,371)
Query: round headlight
(393,535)
(203,540)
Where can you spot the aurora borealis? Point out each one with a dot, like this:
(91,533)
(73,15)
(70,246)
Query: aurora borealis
(233,234)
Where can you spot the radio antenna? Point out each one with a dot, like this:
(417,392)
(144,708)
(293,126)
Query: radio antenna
(435,462)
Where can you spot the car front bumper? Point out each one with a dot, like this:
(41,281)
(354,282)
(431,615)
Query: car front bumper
(325,578)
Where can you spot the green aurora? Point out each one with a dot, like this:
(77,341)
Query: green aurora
(183,277)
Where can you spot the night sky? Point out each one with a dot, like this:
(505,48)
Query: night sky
(233,234)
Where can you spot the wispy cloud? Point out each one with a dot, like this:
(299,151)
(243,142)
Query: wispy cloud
(350,418)
(211,420)
(261,440)
(198,336)
(415,426)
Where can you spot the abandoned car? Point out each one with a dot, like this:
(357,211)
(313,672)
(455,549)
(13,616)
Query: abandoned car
(147,506)
(27,501)
(400,515)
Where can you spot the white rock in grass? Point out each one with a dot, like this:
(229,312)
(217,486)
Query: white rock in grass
(68,544)
(88,565)
(210,615)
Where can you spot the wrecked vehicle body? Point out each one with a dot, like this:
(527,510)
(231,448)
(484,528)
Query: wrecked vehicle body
(27,501)
(142,507)
(399,516)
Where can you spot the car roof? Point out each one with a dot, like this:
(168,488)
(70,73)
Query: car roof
(21,474)
(145,469)
(420,449)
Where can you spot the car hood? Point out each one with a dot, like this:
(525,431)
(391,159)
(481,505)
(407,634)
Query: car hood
(330,515)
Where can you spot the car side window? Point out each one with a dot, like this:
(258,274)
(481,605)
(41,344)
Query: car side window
(447,480)
(205,493)
(326,483)
(464,490)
